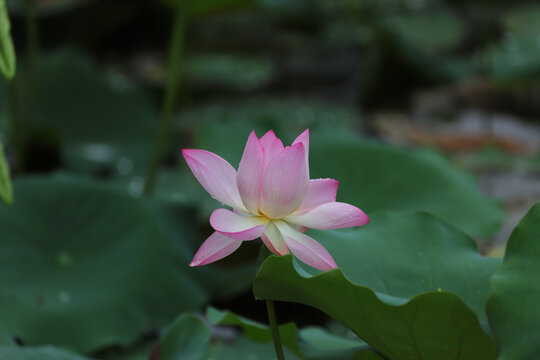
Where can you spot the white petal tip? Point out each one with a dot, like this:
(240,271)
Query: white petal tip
(196,262)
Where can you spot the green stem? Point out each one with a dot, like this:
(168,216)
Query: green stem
(16,126)
(174,57)
(274,326)
(32,48)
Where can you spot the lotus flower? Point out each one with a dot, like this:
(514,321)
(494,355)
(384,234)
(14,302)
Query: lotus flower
(272,198)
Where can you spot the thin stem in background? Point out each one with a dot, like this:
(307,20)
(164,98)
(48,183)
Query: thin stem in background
(274,327)
(16,125)
(174,57)
(32,49)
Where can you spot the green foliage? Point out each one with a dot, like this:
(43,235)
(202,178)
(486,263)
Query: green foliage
(432,326)
(178,224)
(372,176)
(102,122)
(256,340)
(237,72)
(288,8)
(523,18)
(141,351)
(180,186)
(187,338)
(407,283)
(96,263)
(402,255)
(516,60)
(376,177)
(87,267)
(220,125)
(203,7)
(368,355)
(431,32)
(514,314)
(318,343)
(7,52)
(255,331)
(44,9)
(6,193)
(242,348)
(367,171)
(37,353)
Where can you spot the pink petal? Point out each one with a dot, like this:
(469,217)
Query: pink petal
(215,175)
(335,215)
(241,213)
(306,248)
(304,139)
(319,191)
(236,226)
(269,244)
(284,182)
(216,247)
(272,146)
(274,241)
(250,172)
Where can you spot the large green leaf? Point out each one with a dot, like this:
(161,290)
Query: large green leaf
(375,177)
(513,309)
(6,193)
(97,264)
(319,343)
(435,326)
(104,123)
(7,53)
(402,255)
(187,338)
(390,268)
(37,353)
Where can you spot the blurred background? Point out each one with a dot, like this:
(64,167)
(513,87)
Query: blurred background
(412,104)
